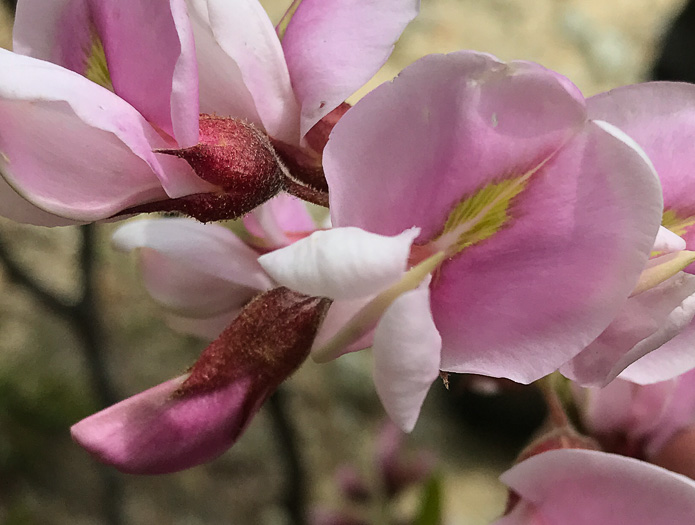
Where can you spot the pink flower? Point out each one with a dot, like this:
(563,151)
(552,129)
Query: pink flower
(587,487)
(78,140)
(533,221)
(89,94)
(653,336)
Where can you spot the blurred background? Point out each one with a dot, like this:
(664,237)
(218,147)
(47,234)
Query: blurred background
(54,372)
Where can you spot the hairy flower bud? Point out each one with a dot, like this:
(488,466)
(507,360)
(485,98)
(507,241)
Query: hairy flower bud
(236,157)
(193,419)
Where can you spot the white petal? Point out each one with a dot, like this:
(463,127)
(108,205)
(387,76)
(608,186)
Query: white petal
(407,349)
(342,263)
(668,242)
(208,249)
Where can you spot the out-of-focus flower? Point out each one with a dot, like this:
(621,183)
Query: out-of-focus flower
(588,487)
(395,468)
(533,221)
(653,422)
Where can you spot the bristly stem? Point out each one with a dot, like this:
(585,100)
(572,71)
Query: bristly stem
(294,496)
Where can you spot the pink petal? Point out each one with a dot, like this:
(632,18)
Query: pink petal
(207,249)
(154,70)
(36,28)
(677,414)
(674,344)
(276,218)
(660,117)
(641,326)
(19,209)
(406,354)
(96,151)
(333,47)
(586,487)
(544,287)
(155,432)
(447,125)
(219,75)
(243,31)
(339,313)
(343,263)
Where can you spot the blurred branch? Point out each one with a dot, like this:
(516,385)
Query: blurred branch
(17,274)
(85,321)
(294,497)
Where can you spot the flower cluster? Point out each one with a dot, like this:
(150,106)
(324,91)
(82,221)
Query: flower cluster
(484,218)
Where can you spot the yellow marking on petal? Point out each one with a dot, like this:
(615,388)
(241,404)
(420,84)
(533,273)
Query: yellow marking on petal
(96,67)
(4,157)
(678,225)
(481,215)
(282,26)
(662,268)
(363,320)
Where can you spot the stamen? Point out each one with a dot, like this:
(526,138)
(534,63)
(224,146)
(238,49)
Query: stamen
(659,269)
(368,316)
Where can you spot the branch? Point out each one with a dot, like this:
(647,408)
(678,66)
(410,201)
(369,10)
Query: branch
(287,439)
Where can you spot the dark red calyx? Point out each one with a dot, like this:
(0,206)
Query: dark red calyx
(234,155)
(317,137)
(205,207)
(269,339)
(563,437)
(303,165)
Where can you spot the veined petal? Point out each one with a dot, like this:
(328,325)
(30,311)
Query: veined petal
(642,325)
(342,263)
(153,70)
(447,126)
(72,147)
(542,288)
(155,432)
(243,31)
(660,117)
(406,352)
(333,47)
(206,249)
(587,487)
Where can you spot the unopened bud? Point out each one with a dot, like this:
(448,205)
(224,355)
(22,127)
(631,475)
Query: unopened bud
(234,156)
(269,339)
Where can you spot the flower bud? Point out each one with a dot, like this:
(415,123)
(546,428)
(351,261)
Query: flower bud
(232,155)
(195,418)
